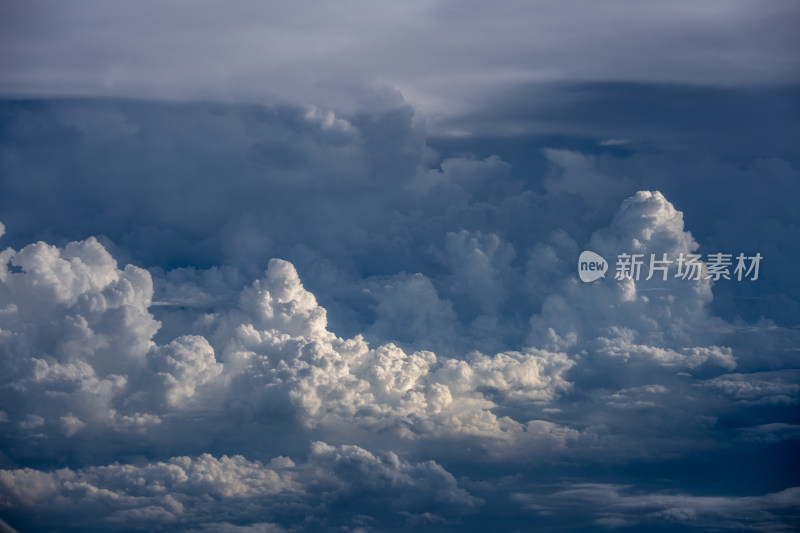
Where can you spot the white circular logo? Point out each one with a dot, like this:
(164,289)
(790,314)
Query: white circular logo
(591,266)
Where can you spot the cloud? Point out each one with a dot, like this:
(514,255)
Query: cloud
(689,358)
(409,309)
(84,278)
(80,339)
(184,365)
(74,328)
(413,483)
(280,350)
(759,388)
(85,344)
(426,304)
(196,492)
(615,142)
(354,212)
(576,173)
(479,264)
(619,506)
(774,432)
(351,234)
(645,396)
(454,60)
(619,317)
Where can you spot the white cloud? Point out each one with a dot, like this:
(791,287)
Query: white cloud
(195,492)
(78,327)
(279,349)
(645,396)
(615,142)
(151,492)
(358,468)
(660,321)
(759,388)
(182,366)
(71,424)
(83,346)
(693,357)
(60,301)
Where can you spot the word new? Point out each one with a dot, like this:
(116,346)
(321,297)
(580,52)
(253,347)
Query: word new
(591,266)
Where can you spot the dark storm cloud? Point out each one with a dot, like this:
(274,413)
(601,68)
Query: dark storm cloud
(202,185)
(737,122)
(363,195)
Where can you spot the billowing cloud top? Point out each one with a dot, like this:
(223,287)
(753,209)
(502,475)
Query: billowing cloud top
(84,374)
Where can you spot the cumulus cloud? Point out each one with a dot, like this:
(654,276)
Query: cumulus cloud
(479,264)
(280,342)
(409,309)
(78,287)
(86,370)
(644,396)
(224,477)
(80,334)
(78,354)
(80,338)
(75,328)
(183,366)
(345,207)
(428,174)
(196,492)
(634,319)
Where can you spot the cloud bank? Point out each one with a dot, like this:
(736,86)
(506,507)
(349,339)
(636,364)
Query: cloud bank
(87,379)
(313,267)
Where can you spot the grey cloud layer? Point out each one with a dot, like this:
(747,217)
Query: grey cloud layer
(445,56)
(616,506)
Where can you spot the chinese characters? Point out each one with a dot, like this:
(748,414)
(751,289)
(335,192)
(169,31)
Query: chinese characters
(688,266)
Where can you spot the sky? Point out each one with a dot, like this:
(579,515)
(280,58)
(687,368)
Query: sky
(313,266)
